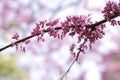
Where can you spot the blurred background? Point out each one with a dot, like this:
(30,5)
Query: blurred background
(47,60)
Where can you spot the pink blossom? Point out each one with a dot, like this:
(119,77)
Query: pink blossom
(72,49)
(16,36)
(27,41)
(118,22)
(39,38)
(42,23)
(53,32)
(111,9)
(52,23)
(113,22)
(22,48)
(36,30)
(16,45)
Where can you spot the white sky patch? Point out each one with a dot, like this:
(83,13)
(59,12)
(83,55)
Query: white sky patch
(50,3)
(96,3)
(107,45)
(92,70)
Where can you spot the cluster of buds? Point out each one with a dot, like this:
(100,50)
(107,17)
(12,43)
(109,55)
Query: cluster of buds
(111,10)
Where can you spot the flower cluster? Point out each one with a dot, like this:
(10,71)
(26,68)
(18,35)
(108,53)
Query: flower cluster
(111,9)
(16,36)
(75,24)
(21,47)
(36,30)
(80,25)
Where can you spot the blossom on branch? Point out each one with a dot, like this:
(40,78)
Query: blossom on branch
(111,9)
(52,23)
(36,30)
(81,25)
(16,36)
(87,32)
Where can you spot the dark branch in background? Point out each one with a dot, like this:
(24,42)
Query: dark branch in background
(61,6)
(92,26)
(56,10)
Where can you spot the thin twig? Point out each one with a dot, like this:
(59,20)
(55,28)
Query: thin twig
(76,58)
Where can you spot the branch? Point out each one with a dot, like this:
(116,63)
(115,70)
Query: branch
(76,58)
(92,26)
